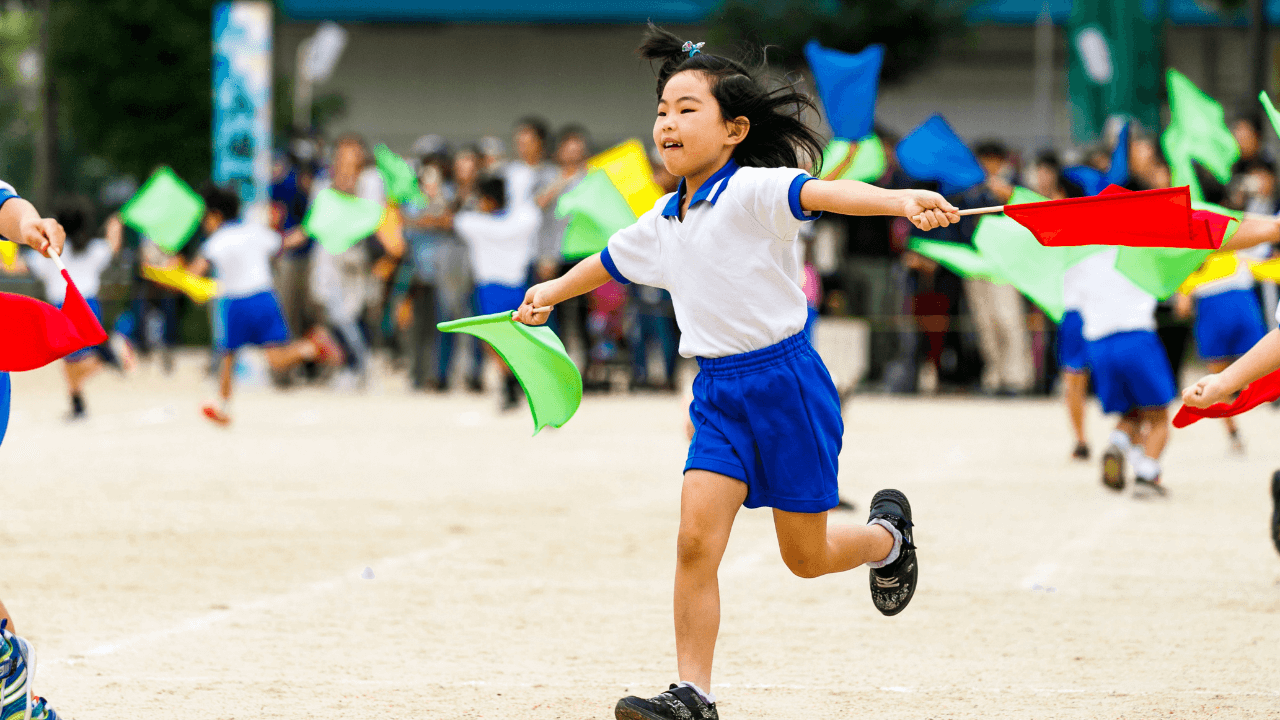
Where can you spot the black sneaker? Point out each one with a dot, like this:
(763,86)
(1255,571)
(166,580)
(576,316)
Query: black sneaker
(1275,513)
(893,585)
(1081,452)
(677,703)
(1113,468)
(1140,484)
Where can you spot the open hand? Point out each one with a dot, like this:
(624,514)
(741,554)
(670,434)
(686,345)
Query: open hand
(44,235)
(535,309)
(928,210)
(1207,391)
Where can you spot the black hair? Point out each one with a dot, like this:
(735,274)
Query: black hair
(494,188)
(572,131)
(1260,164)
(1050,158)
(1210,187)
(993,149)
(75,215)
(222,200)
(778,136)
(537,125)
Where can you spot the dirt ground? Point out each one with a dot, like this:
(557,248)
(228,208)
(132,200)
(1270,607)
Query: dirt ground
(169,569)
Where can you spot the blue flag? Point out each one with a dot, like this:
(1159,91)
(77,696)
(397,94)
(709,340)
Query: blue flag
(4,404)
(934,152)
(1094,182)
(848,85)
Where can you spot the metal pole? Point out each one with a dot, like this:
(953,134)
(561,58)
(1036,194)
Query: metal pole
(1259,57)
(302,91)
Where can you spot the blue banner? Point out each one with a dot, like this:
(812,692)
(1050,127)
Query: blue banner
(242,101)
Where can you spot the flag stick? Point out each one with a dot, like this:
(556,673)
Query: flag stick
(57,260)
(983,210)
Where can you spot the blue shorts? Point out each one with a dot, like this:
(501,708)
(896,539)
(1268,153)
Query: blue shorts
(1131,371)
(251,320)
(809,324)
(4,404)
(84,353)
(495,298)
(1228,324)
(770,418)
(1073,352)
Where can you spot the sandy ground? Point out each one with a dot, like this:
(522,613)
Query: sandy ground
(169,569)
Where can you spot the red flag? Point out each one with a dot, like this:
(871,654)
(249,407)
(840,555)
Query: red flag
(1150,218)
(1263,390)
(34,334)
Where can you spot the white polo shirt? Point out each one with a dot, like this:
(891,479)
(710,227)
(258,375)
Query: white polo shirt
(499,243)
(85,268)
(1109,302)
(733,266)
(241,253)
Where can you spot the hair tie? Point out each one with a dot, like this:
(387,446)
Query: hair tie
(692,49)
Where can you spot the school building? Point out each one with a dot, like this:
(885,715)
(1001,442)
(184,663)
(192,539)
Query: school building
(464,69)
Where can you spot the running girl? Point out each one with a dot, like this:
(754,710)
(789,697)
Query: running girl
(765,411)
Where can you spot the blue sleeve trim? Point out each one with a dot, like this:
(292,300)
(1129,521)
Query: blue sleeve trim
(793,197)
(612,268)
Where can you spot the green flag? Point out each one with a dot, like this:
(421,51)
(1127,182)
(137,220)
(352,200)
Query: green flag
(338,220)
(165,209)
(1113,65)
(1197,131)
(402,183)
(598,210)
(1161,271)
(1272,115)
(537,358)
(959,259)
(868,162)
(1017,256)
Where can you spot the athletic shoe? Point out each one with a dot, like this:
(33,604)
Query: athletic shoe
(17,665)
(1275,512)
(328,351)
(893,585)
(215,414)
(40,710)
(1139,484)
(1113,468)
(1081,452)
(1235,445)
(677,703)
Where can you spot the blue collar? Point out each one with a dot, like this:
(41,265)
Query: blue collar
(709,191)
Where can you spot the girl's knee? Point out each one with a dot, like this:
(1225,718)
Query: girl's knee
(802,563)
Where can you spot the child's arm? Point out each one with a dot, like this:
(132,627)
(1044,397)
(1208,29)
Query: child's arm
(927,210)
(1251,233)
(21,223)
(581,278)
(1261,359)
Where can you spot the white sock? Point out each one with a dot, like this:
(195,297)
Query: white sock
(897,543)
(1147,468)
(1120,440)
(709,698)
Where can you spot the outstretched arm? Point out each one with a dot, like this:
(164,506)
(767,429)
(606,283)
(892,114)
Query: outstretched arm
(1262,358)
(927,210)
(581,278)
(21,222)
(1253,232)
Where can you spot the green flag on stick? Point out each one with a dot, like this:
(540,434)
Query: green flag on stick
(402,183)
(868,161)
(1198,131)
(598,210)
(338,220)
(1017,256)
(1161,271)
(165,209)
(959,259)
(537,358)
(1272,114)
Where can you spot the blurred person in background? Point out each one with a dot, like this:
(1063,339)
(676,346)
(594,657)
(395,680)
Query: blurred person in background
(87,256)
(435,169)
(1247,131)
(998,310)
(342,283)
(653,315)
(453,266)
(573,148)
(493,154)
(290,192)
(247,308)
(1253,189)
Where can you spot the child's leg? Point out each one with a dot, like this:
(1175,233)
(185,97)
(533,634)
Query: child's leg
(708,504)
(1156,421)
(79,372)
(284,357)
(810,548)
(1075,386)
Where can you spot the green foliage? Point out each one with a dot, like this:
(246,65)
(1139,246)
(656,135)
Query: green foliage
(18,99)
(911,30)
(134,80)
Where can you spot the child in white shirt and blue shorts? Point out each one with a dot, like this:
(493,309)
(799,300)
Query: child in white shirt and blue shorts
(768,429)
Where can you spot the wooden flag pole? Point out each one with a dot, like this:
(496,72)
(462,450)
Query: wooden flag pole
(57,260)
(983,210)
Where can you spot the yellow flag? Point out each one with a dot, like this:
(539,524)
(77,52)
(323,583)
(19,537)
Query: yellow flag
(628,169)
(1267,270)
(1215,267)
(8,253)
(199,289)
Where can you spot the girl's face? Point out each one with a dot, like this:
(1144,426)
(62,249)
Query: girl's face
(689,131)
(465,168)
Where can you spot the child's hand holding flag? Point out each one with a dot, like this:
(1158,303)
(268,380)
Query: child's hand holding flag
(20,222)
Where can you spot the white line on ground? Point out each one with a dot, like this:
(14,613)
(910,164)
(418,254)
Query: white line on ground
(1055,567)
